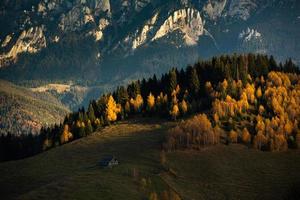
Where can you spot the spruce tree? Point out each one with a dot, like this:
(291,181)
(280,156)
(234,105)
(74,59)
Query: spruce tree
(193,81)
(91,113)
(172,81)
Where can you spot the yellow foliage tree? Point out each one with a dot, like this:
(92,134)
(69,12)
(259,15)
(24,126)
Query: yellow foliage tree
(258,92)
(66,135)
(233,136)
(246,137)
(174,111)
(260,140)
(150,102)
(112,109)
(137,103)
(183,107)
(261,109)
(209,89)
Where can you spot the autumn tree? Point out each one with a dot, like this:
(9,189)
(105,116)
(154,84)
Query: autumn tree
(260,140)
(137,103)
(150,102)
(174,112)
(246,137)
(223,88)
(112,109)
(183,107)
(233,136)
(258,93)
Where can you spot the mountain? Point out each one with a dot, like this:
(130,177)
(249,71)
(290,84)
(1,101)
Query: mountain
(108,41)
(24,111)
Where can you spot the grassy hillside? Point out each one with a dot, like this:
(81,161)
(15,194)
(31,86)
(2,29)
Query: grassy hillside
(71,171)
(25,111)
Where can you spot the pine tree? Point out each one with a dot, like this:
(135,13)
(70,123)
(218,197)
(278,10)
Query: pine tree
(273,65)
(134,89)
(172,81)
(193,81)
(88,128)
(122,95)
(91,113)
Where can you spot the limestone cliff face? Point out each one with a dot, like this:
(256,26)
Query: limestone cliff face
(127,29)
(142,36)
(98,33)
(75,19)
(31,41)
(214,9)
(188,21)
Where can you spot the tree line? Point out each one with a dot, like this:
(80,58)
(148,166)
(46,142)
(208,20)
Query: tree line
(176,94)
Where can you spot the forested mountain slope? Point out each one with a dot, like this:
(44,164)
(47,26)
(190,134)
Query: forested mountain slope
(23,111)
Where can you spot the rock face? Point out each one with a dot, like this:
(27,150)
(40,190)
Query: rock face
(249,34)
(75,19)
(242,8)
(31,41)
(188,21)
(214,9)
(142,36)
(102,38)
(251,39)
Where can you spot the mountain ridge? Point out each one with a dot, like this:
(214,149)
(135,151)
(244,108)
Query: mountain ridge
(113,40)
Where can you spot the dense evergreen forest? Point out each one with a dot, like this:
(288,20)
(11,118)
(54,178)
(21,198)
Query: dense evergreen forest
(246,98)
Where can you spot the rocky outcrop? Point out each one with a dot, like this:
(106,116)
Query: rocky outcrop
(75,19)
(141,37)
(250,34)
(188,21)
(140,4)
(251,40)
(31,41)
(6,41)
(241,8)
(214,9)
(98,33)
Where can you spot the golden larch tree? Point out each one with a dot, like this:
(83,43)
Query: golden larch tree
(183,107)
(66,135)
(233,136)
(246,137)
(174,111)
(112,109)
(150,102)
